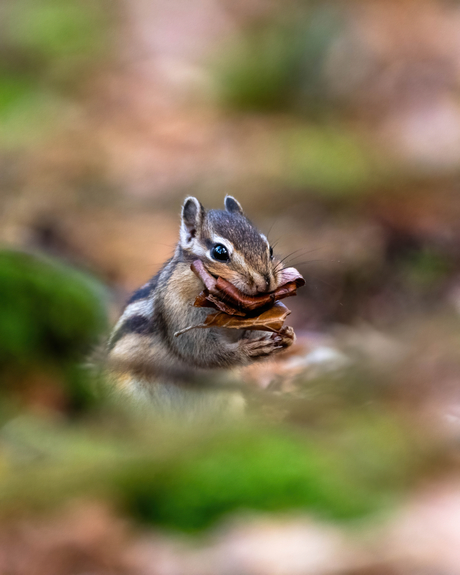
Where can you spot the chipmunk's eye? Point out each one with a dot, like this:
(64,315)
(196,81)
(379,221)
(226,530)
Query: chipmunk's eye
(271,253)
(220,253)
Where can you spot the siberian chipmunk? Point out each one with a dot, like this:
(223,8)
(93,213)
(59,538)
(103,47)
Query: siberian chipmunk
(146,360)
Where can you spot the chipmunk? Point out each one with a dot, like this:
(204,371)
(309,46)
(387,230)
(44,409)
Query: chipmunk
(146,360)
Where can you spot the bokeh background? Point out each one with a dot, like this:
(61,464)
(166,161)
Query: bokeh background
(337,126)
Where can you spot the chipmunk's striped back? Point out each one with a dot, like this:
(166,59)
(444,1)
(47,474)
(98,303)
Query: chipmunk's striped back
(137,316)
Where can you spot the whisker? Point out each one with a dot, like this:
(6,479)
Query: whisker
(304,253)
(279,266)
(318,260)
(271,227)
(325,282)
(289,255)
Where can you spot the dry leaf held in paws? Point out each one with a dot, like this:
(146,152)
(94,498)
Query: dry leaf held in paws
(236,310)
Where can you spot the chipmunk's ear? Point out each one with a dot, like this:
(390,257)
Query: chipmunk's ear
(233,206)
(192,220)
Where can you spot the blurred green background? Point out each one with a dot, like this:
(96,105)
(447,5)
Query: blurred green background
(337,125)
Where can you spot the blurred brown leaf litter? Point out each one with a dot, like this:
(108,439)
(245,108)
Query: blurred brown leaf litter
(337,126)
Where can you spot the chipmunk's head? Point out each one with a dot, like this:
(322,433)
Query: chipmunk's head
(229,246)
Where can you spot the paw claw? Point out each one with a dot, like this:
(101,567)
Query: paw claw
(268,344)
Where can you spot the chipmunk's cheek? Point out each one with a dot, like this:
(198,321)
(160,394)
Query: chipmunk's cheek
(277,276)
(216,269)
(273,283)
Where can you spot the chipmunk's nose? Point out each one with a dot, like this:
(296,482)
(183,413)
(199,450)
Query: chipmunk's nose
(265,284)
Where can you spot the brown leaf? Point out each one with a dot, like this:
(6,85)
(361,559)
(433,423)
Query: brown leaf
(202,299)
(270,320)
(220,305)
(209,281)
(229,298)
(289,275)
(237,310)
(241,300)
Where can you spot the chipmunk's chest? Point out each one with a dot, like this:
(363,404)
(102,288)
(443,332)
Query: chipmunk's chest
(183,286)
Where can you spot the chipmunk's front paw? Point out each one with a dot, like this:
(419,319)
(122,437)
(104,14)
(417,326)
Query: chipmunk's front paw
(287,336)
(268,344)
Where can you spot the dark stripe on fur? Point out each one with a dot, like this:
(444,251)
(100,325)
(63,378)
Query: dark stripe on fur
(145,291)
(135,324)
(162,326)
(141,293)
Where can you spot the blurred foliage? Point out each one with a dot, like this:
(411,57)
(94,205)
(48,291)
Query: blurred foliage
(269,470)
(278,65)
(343,465)
(47,49)
(427,268)
(190,478)
(51,315)
(344,451)
(327,160)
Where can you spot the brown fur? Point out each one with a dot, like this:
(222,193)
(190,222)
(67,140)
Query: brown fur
(144,358)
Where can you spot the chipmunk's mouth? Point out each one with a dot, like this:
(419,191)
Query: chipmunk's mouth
(226,297)
(251,285)
(245,285)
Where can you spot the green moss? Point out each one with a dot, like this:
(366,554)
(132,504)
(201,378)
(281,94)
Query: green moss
(189,480)
(275,470)
(51,315)
(49,311)
(265,473)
